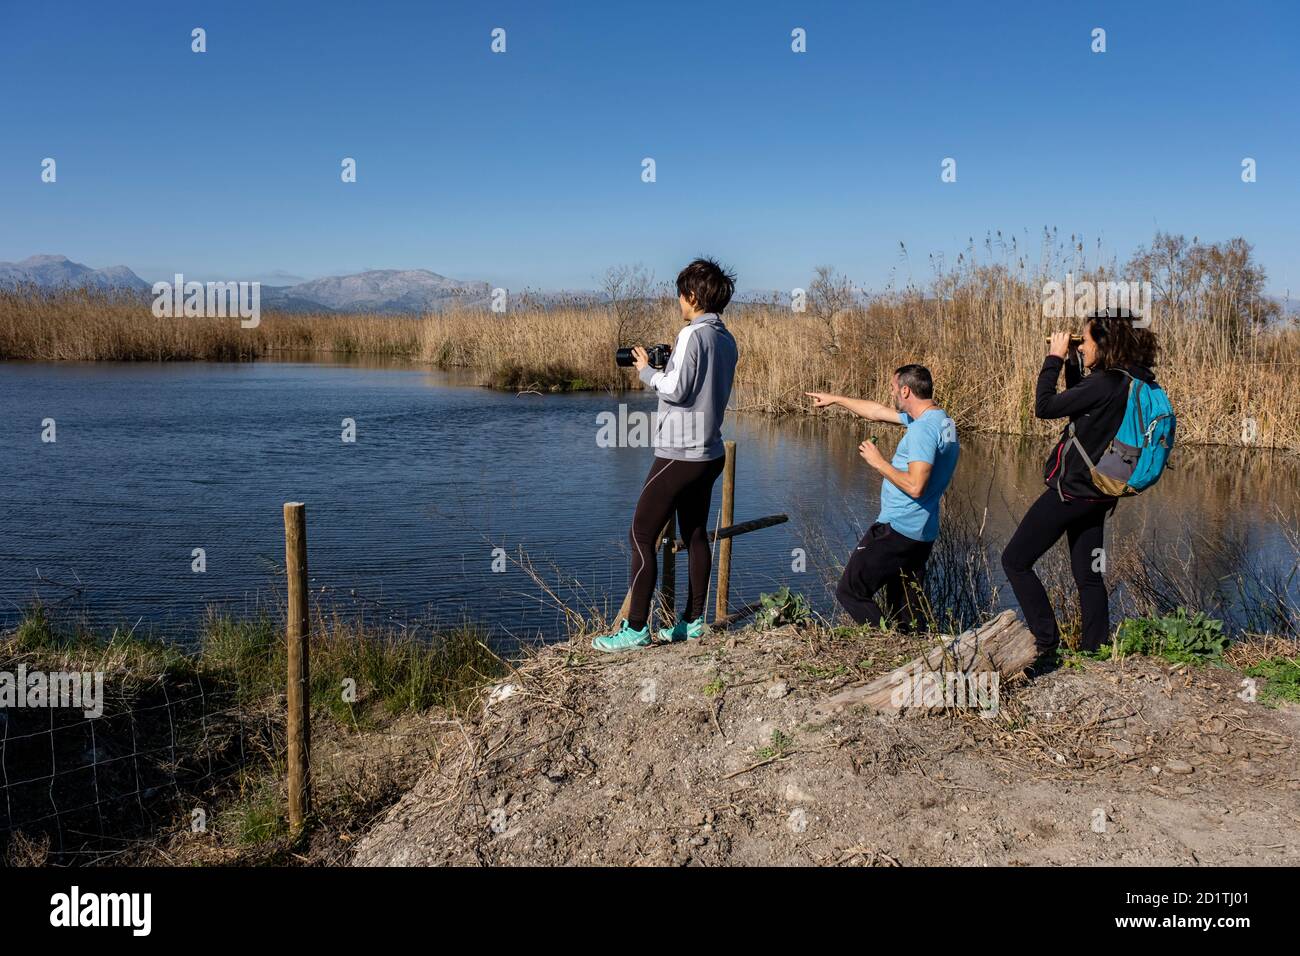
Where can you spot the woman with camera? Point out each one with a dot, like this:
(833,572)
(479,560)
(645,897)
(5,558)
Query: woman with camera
(693,388)
(1116,353)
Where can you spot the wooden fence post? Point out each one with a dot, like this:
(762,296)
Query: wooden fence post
(727,529)
(727,517)
(668,571)
(299,687)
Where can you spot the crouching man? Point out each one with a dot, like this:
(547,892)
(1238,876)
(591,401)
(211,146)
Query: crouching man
(893,553)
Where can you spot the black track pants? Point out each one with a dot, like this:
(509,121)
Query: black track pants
(885,559)
(1083,523)
(683,488)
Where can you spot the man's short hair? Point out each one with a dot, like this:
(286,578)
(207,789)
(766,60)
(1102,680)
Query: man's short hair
(706,284)
(917,378)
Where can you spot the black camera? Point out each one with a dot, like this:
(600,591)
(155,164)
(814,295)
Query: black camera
(658,355)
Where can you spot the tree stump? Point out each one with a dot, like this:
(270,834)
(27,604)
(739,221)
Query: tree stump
(950,675)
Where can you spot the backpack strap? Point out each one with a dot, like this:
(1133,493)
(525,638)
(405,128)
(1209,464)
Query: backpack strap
(1071,439)
(1074,440)
(1133,383)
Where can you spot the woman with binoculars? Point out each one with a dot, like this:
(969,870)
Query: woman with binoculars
(1116,352)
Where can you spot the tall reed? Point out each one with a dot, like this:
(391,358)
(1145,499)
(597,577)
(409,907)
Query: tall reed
(979,328)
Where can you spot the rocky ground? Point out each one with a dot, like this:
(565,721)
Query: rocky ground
(708,753)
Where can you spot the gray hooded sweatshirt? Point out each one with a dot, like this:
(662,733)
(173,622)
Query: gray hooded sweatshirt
(694,388)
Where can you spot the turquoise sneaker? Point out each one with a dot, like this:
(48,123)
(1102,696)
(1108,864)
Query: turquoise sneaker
(684,631)
(625,640)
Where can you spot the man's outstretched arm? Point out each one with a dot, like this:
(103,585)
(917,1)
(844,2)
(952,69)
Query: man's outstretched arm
(863,407)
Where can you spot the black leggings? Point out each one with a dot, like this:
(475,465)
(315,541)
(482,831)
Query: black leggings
(684,487)
(885,559)
(1084,524)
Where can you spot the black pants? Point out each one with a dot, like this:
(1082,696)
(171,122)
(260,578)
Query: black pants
(885,559)
(683,487)
(1083,523)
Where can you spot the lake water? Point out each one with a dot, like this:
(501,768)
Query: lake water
(154,461)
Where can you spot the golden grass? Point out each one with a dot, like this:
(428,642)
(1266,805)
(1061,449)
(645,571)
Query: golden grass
(88,327)
(980,332)
(983,346)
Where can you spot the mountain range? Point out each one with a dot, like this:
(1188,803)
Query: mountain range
(393,291)
(381,290)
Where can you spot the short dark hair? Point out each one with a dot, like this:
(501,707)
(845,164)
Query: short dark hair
(707,285)
(1119,343)
(917,378)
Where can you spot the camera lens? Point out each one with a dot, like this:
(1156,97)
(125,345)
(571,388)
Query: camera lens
(623,358)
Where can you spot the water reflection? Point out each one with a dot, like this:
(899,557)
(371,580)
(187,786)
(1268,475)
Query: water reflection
(153,461)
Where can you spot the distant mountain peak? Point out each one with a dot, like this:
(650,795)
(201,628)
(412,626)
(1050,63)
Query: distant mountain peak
(379,290)
(53,272)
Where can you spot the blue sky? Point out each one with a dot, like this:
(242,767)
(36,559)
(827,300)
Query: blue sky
(524,168)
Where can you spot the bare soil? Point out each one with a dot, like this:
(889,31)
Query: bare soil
(707,754)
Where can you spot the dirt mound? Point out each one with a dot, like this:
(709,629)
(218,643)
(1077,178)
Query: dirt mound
(706,753)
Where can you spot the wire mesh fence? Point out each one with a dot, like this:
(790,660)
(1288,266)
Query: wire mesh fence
(90,786)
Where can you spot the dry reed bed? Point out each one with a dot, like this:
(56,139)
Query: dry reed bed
(982,339)
(985,361)
(90,327)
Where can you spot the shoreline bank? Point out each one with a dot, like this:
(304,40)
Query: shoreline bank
(711,754)
(691,753)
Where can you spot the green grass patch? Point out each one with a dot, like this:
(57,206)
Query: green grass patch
(780,745)
(1178,637)
(255,818)
(822,672)
(1281,677)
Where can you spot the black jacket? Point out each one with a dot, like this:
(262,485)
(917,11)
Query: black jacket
(1095,405)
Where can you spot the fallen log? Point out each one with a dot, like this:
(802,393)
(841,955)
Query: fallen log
(964,671)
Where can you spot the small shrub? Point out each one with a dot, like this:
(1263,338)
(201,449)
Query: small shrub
(782,607)
(1175,637)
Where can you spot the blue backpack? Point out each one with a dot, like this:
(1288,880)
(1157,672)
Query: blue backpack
(1136,456)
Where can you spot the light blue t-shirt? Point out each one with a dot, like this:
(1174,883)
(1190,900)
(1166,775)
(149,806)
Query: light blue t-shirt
(931,438)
